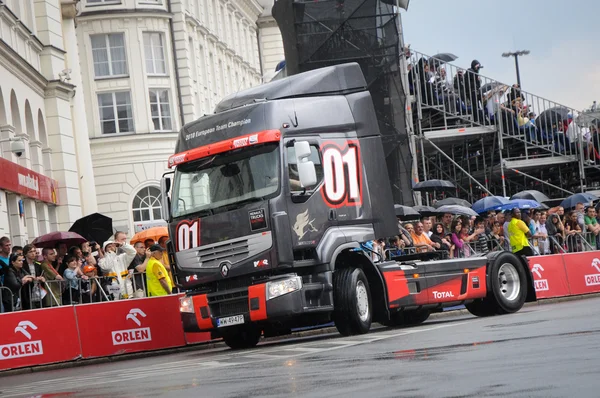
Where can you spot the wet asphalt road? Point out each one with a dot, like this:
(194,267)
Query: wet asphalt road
(550,350)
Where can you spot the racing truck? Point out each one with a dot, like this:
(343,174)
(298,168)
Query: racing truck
(269,202)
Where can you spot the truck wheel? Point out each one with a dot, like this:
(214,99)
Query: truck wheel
(352,301)
(509,283)
(240,338)
(481,307)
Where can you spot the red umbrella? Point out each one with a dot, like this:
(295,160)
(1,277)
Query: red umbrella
(51,239)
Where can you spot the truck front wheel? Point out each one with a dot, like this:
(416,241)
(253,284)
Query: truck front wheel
(242,337)
(352,301)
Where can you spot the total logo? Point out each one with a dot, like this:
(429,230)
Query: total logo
(129,336)
(540,284)
(442,295)
(25,349)
(593,279)
(261,263)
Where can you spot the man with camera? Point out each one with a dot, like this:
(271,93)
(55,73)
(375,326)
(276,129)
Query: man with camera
(115,265)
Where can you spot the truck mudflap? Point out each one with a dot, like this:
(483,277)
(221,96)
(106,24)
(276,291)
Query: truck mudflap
(251,305)
(435,282)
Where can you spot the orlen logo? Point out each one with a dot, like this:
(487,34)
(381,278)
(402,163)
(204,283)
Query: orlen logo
(26,349)
(539,283)
(442,295)
(130,336)
(593,279)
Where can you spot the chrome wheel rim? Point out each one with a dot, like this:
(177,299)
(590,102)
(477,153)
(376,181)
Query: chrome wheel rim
(362,301)
(510,282)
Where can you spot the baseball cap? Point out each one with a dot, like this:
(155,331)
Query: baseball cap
(89,268)
(156,247)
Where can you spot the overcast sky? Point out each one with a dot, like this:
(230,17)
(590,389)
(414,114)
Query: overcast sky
(563,37)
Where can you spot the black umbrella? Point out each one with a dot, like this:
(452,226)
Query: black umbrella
(426,211)
(95,227)
(552,116)
(406,213)
(531,195)
(460,210)
(434,185)
(444,57)
(452,201)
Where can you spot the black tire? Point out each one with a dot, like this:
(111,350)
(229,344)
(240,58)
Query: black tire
(241,338)
(348,319)
(504,269)
(482,307)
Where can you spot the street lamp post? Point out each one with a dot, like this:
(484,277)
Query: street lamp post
(517,54)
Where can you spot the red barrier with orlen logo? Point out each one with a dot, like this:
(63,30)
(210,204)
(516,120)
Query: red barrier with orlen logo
(583,272)
(125,326)
(37,337)
(549,276)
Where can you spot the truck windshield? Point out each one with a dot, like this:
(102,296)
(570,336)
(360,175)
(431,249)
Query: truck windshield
(226,181)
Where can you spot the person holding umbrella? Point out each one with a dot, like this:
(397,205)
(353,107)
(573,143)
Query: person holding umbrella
(519,233)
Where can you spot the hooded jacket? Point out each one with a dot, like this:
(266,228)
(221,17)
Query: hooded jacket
(473,82)
(115,265)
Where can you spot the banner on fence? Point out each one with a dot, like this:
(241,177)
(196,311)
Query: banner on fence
(583,272)
(38,337)
(125,326)
(549,276)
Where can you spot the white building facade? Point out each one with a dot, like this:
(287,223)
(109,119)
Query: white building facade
(46,188)
(148,67)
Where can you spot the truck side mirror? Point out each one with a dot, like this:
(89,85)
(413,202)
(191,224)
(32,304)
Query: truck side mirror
(306,168)
(165,208)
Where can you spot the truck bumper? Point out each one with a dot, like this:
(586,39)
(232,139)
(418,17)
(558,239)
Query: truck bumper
(252,303)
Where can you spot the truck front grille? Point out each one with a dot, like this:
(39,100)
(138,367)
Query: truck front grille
(228,304)
(231,251)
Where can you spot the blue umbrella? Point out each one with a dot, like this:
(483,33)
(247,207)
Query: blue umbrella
(488,203)
(572,200)
(521,204)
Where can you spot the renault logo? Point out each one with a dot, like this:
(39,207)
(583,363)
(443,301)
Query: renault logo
(224,269)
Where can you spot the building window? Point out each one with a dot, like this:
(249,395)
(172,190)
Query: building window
(155,54)
(161,110)
(146,205)
(108,52)
(116,115)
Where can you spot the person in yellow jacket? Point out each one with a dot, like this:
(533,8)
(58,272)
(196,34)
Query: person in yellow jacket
(162,241)
(157,277)
(519,235)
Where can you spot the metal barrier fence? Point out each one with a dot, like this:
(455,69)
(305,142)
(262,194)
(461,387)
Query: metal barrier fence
(86,290)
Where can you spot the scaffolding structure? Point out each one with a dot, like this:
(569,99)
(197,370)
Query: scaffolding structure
(330,32)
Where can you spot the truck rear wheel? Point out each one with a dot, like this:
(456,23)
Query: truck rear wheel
(352,301)
(507,291)
(243,337)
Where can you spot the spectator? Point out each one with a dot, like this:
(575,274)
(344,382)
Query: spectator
(439,236)
(465,236)
(542,235)
(148,243)
(90,290)
(481,239)
(115,266)
(457,243)
(405,235)
(157,277)
(556,231)
(497,237)
(519,234)
(427,225)
(592,227)
(580,210)
(53,277)
(61,252)
(162,241)
(397,245)
(490,221)
(34,268)
(500,220)
(5,297)
(460,87)
(120,239)
(138,267)
(421,241)
(572,231)
(473,87)
(507,219)
(71,294)
(17,250)
(447,222)
(20,283)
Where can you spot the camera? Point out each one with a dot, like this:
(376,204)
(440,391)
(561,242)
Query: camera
(17,147)
(93,244)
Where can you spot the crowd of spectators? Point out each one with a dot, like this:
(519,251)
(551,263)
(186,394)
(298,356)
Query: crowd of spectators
(486,102)
(33,278)
(528,232)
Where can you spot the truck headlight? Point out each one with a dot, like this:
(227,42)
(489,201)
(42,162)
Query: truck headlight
(284,286)
(186,304)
